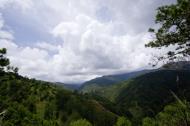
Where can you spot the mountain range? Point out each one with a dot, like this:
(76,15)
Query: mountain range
(137,96)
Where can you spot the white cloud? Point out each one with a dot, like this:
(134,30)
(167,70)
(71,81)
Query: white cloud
(91,42)
(22,4)
(47,46)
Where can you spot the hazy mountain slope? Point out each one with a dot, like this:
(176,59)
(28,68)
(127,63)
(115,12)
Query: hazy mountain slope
(111,89)
(71,87)
(100,83)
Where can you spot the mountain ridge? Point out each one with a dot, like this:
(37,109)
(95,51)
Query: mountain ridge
(109,80)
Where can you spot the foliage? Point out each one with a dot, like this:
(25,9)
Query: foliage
(148,122)
(174,22)
(29,102)
(122,121)
(3,60)
(175,114)
(81,122)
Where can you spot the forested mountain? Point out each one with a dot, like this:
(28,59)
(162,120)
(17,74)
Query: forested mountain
(71,87)
(32,102)
(111,91)
(148,94)
(103,82)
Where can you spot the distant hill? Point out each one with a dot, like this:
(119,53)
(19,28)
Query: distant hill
(71,87)
(100,83)
(107,84)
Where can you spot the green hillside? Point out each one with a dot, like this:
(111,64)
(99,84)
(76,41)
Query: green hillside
(29,102)
(147,94)
(110,92)
(101,83)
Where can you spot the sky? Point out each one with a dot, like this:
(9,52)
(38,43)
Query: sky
(72,41)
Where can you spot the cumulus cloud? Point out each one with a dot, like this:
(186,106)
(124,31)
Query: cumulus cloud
(90,38)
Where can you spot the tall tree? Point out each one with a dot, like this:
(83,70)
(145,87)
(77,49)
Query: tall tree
(4,62)
(174,22)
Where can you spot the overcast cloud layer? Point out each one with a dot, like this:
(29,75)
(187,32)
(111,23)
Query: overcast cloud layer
(76,40)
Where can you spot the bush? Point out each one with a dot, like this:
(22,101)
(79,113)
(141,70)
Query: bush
(81,122)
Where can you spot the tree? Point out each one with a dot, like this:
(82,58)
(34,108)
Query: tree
(122,121)
(81,122)
(176,114)
(148,122)
(174,22)
(2,116)
(4,62)
(12,69)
